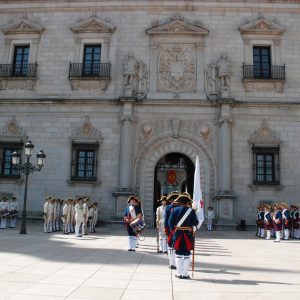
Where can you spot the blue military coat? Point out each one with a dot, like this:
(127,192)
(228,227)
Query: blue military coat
(183,237)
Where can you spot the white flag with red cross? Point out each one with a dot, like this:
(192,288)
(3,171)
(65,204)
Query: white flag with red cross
(198,202)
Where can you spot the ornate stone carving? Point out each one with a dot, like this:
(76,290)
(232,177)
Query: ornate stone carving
(264,135)
(13,130)
(146,130)
(175,123)
(261,27)
(93,25)
(224,74)
(23,26)
(177,27)
(217,77)
(205,132)
(136,77)
(86,133)
(177,68)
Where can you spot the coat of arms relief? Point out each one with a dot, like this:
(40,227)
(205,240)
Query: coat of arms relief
(176,68)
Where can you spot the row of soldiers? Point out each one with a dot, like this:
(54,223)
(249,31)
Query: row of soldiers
(278,221)
(8,210)
(71,215)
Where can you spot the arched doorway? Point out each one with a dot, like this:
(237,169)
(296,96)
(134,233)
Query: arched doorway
(173,172)
(148,158)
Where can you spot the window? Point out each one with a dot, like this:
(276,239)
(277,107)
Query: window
(262,62)
(84,162)
(91,60)
(266,168)
(21,58)
(7,170)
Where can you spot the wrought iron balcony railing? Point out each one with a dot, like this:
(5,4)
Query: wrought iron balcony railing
(272,72)
(18,70)
(89,71)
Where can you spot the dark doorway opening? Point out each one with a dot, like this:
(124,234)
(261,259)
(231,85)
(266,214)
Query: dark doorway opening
(173,172)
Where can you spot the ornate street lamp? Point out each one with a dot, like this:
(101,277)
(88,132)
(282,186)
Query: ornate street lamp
(27,168)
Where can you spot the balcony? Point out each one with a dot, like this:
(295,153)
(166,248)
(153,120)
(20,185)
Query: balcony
(264,79)
(18,76)
(89,76)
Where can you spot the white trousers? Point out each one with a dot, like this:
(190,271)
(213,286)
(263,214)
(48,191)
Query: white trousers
(77,228)
(183,264)
(286,234)
(132,242)
(278,236)
(171,256)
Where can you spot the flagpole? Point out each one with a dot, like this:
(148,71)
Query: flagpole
(193,257)
(198,205)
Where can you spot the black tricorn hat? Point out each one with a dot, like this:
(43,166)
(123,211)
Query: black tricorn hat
(133,197)
(172,196)
(163,198)
(184,199)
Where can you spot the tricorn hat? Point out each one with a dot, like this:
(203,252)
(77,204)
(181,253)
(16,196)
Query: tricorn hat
(172,196)
(132,197)
(184,199)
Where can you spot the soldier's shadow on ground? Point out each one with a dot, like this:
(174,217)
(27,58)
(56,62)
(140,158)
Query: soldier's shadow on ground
(240,282)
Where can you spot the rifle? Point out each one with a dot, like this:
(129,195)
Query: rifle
(157,239)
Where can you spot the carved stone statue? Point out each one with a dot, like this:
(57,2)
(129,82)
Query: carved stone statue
(224,74)
(130,71)
(136,77)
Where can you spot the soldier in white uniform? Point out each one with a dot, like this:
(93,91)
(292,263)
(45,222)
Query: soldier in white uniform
(66,216)
(46,215)
(160,224)
(13,211)
(57,215)
(4,211)
(85,210)
(78,217)
(93,217)
(72,216)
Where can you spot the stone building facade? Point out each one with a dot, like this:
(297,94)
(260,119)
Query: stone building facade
(123,95)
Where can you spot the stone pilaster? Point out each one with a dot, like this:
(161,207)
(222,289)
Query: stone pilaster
(126,156)
(225,197)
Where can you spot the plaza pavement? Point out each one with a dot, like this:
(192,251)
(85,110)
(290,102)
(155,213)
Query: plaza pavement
(228,265)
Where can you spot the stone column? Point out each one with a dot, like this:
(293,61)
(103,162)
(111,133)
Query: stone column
(126,146)
(200,67)
(225,155)
(153,67)
(126,157)
(105,50)
(225,197)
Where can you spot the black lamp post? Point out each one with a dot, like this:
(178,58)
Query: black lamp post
(27,168)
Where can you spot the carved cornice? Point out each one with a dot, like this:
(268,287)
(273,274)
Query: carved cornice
(86,133)
(261,27)
(264,136)
(13,131)
(177,27)
(22,26)
(93,25)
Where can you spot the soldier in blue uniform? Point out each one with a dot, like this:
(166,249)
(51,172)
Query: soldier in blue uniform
(132,212)
(268,221)
(172,204)
(286,222)
(277,218)
(182,220)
